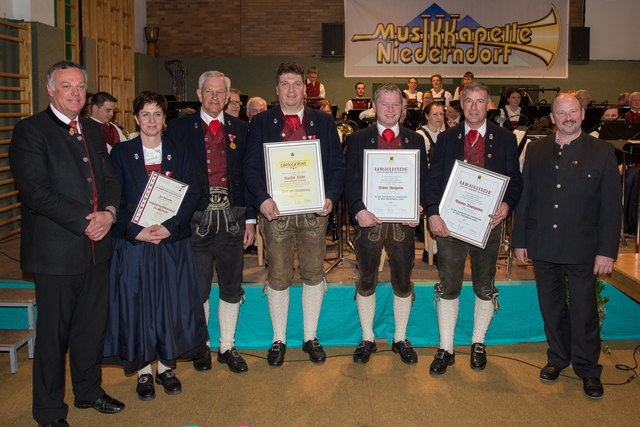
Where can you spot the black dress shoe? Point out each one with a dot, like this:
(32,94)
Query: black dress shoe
(425,257)
(61,422)
(593,387)
(550,372)
(363,351)
(169,381)
(407,354)
(275,356)
(202,363)
(105,404)
(478,356)
(145,389)
(440,362)
(234,361)
(315,351)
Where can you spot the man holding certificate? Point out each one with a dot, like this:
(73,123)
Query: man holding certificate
(370,182)
(290,125)
(223,224)
(482,144)
(568,223)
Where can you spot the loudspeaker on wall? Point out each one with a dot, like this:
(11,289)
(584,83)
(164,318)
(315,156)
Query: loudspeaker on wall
(579,43)
(333,39)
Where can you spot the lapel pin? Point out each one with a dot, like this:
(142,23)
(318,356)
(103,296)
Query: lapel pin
(136,156)
(168,158)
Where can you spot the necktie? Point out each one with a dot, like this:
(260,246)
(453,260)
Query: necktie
(293,120)
(214,125)
(388,135)
(473,136)
(74,125)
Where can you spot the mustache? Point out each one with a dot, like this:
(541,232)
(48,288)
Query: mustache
(566,122)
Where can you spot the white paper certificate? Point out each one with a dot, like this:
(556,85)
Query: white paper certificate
(294,176)
(471,195)
(160,200)
(390,188)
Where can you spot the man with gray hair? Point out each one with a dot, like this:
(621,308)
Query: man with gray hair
(479,142)
(224,222)
(372,234)
(70,196)
(255,105)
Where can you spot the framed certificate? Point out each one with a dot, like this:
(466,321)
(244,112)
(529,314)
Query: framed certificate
(471,195)
(160,200)
(294,176)
(390,184)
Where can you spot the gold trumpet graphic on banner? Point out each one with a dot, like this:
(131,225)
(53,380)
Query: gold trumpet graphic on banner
(546,34)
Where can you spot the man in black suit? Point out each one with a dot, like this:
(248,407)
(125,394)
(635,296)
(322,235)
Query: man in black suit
(372,234)
(292,121)
(69,192)
(568,223)
(481,143)
(224,222)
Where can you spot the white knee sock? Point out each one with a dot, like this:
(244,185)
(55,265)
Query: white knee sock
(206,317)
(144,371)
(366,312)
(228,318)
(482,315)
(162,368)
(278,311)
(447,319)
(312,297)
(401,311)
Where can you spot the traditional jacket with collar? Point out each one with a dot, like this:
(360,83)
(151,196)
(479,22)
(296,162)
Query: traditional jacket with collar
(501,156)
(367,139)
(56,181)
(267,127)
(188,131)
(128,160)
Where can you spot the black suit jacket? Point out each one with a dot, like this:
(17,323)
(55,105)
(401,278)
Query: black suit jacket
(53,174)
(267,127)
(128,160)
(501,156)
(188,131)
(573,223)
(368,139)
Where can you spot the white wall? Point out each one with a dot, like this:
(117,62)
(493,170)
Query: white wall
(139,22)
(614,29)
(28,10)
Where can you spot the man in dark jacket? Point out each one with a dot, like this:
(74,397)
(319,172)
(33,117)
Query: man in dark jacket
(568,223)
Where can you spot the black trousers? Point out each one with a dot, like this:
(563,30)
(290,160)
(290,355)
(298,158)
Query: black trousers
(72,314)
(572,330)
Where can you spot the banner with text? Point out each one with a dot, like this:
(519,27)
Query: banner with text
(491,38)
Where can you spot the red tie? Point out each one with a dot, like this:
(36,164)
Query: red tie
(388,135)
(214,125)
(74,125)
(293,120)
(473,136)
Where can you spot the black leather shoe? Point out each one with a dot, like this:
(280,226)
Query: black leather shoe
(593,387)
(275,356)
(105,404)
(363,351)
(407,354)
(478,356)
(425,257)
(314,350)
(202,363)
(61,422)
(440,362)
(550,372)
(169,381)
(234,361)
(145,389)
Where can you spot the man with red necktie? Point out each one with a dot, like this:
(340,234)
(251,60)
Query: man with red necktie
(481,143)
(223,224)
(102,108)
(292,121)
(372,234)
(70,193)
